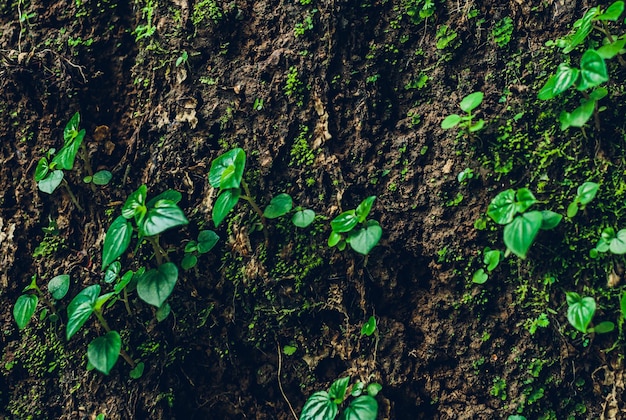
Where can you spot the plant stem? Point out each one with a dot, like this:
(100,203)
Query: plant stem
(85,156)
(159,252)
(71,194)
(249,199)
(105,325)
(125,300)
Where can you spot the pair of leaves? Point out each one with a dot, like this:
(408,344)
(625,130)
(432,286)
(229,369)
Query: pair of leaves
(99,178)
(585,24)
(362,240)
(152,218)
(226,173)
(348,220)
(369,327)
(593,72)
(324,405)
(26,305)
(468,104)
(585,193)
(580,312)
(611,241)
(206,241)
(491,258)
(507,204)
(282,204)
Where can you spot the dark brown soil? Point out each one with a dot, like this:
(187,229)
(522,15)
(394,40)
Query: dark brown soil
(442,341)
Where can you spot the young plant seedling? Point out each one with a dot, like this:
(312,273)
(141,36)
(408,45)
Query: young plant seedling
(491,258)
(593,70)
(584,194)
(26,304)
(226,173)
(369,327)
(206,241)
(352,227)
(509,208)
(580,312)
(465,122)
(324,405)
(151,218)
(610,241)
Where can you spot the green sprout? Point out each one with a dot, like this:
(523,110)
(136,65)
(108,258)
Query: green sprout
(324,405)
(26,304)
(465,122)
(206,241)
(509,208)
(584,195)
(580,312)
(346,230)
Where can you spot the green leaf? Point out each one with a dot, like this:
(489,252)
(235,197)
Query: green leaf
(116,241)
(598,93)
(163,216)
(126,278)
(550,219)
(580,310)
(609,51)
(227,169)
(603,327)
(71,128)
(612,12)
(67,155)
(24,309)
(369,327)
(572,209)
(303,218)
(593,71)
(80,309)
(525,199)
(42,169)
(155,286)
(618,244)
(171,195)
(622,304)
(578,117)
(565,77)
(492,258)
(137,372)
(225,202)
(207,239)
(135,205)
(289,350)
(373,389)
(58,286)
(471,101)
(584,25)
(365,239)
(104,351)
(345,222)
(364,208)
(51,182)
(112,272)
(319,406)
(364,407)
(450,121)
(587,192)
(163,312)
(477,126)
(480,277)
(547,91)
(279,206)
(521,232)
(337,391)
(334,239)
(189,261)
(502,208)
(102,177)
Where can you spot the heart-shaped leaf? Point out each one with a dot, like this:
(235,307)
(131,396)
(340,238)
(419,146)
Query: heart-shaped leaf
(137,372)
(71,128)
(345,222)
(112,272)
(155,286)
(116,241)
(587,192)
(135,205)
(492,258)
(59,285)
(51,182)
(189,261)
(24,309)
(366,238)
(80,309)
(42,169)
(593,71)
(279,206)
(480,277)
(550,219)
(580,310)
(163,216)
(104,351)
(369,327)
(579,116)
(102,177)
(171,195)
(225,202)
(319,406)
(67,155)
(227,170)
(524,199)
(303,218)
(618,244)
(337,391)
(364,407)
(502,208)
(206,241)
(521,232)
